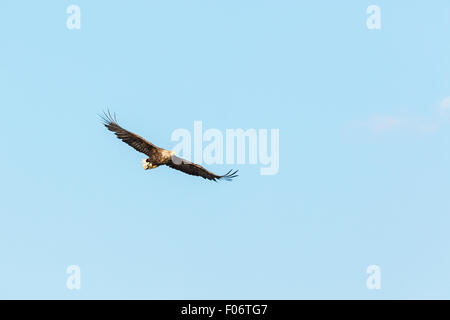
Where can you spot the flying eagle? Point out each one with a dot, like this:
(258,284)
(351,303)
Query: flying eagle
(159,156)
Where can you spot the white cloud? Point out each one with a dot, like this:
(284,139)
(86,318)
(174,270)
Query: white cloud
(383,123)
(426,127)
(444,106)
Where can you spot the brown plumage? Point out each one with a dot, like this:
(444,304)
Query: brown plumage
(159,156)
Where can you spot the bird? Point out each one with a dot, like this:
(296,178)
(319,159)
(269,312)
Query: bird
(159,156)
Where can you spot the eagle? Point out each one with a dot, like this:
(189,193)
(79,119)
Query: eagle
(159,156)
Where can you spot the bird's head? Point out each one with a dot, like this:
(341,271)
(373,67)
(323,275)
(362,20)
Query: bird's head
(145,164)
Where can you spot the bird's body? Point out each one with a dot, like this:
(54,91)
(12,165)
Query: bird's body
(159,156)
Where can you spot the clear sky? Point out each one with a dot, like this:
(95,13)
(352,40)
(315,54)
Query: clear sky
(364,123)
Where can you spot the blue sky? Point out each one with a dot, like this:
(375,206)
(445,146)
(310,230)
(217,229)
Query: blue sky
(364,122)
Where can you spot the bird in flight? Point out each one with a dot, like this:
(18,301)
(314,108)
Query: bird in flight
(159,156)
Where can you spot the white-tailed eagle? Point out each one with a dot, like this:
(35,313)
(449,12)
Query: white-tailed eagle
(159,156)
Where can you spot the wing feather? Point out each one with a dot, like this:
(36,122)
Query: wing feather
(132,139)
(197,170)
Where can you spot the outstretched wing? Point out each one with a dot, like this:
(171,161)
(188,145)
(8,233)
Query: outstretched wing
(197,170)
(133,140)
